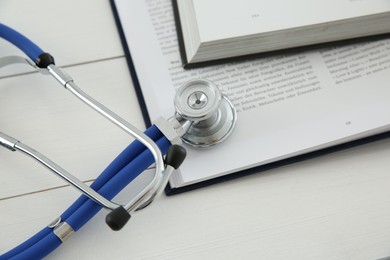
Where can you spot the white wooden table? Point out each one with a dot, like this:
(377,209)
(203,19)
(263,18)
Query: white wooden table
(333,207)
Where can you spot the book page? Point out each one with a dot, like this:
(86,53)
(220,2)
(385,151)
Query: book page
(286,104)
(246,17)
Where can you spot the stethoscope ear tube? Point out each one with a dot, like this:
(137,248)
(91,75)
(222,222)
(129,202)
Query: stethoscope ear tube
(65,80)
(125,168)
(118,217)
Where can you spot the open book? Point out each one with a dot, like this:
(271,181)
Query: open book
(219,29)
(288,105)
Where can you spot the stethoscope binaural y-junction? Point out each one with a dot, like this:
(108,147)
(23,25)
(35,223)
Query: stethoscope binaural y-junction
(204,117)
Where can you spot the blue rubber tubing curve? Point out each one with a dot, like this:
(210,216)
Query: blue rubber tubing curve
(119,162)
(90,208)
(19,40)
(122,161)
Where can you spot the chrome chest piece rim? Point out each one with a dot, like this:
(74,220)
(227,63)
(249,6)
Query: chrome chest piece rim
(211,114)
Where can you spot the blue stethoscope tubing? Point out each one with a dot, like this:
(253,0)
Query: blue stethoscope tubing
(19,40)
(124,169)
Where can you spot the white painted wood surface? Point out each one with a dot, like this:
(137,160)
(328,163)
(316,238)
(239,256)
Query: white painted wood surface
(332,207)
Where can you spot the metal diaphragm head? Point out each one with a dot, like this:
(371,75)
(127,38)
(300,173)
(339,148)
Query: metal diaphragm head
(212,115)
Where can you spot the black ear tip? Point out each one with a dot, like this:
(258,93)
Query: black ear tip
(44,60)
(117,218)
(175,156)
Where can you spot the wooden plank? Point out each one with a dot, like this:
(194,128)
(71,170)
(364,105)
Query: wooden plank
(72,31)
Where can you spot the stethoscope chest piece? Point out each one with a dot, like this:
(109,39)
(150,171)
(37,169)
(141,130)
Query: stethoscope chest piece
(211,114)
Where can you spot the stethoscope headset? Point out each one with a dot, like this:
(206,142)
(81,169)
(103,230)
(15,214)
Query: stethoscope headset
(204,117)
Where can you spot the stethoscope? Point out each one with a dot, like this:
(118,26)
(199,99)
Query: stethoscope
(204,117)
